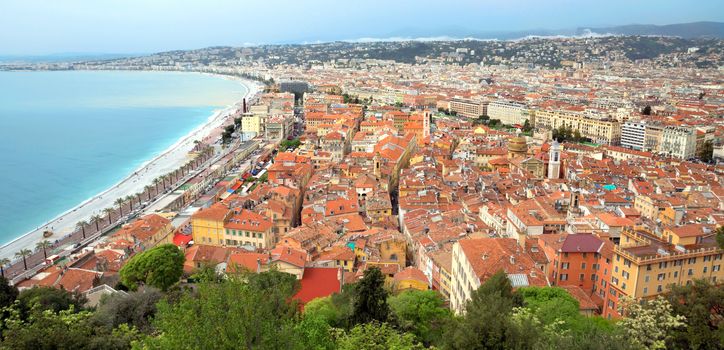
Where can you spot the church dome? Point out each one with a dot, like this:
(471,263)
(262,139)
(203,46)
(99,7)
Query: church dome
(517,144)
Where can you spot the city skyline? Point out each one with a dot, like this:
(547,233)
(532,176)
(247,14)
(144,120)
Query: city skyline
(41,28)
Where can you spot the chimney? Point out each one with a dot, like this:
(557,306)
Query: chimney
(512,259)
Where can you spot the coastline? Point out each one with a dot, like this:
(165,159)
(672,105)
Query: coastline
(168,160)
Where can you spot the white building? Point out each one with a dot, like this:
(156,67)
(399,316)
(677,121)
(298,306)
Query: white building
(509,112)
(678,141)
(633,135)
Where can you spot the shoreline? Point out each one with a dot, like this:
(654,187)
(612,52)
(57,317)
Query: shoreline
(166,161)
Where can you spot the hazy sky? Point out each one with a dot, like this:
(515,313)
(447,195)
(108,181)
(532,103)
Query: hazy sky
(142,26)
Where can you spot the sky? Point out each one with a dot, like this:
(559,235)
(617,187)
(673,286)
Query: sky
(38,27)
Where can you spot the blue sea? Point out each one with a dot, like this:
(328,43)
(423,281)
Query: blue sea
(67,136)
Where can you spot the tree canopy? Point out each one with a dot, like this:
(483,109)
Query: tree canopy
(160,267)
(370,300)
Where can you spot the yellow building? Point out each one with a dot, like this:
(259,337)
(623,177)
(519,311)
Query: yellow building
(601,130)
(252,122)
(207,224)
(410,278)
(390,247)
(247,228)
(644,266)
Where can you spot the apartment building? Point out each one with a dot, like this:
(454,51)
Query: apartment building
(476,260)
(633,135)
(652,140)
(678,142)
(468,108)
(645,265)
(509,113)
(600,130)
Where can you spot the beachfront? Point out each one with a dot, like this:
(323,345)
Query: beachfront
(171,159)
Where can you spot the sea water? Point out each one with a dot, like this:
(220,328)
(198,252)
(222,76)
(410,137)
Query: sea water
(66,136)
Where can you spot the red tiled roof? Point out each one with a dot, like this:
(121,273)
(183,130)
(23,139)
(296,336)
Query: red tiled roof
(318,282)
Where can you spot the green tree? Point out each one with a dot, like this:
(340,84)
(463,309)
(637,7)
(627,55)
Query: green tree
(486,323)
(551,304)
(8,293)
(648,325)
(720,237)
(250,311)
(702,304)
(526,126)
(422,313)
(376,336)
(49,298)
(62,330)
(135,309)
(323,309)
(370,300)
(161,267)
(314,332)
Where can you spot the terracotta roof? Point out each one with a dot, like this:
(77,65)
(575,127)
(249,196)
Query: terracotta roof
(411,273)
(318,282)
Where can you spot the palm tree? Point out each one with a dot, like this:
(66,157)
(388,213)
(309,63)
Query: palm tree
(138,197)
(129,199)
(3,262)
(156,181)
(44,245)
(22,254)
(96,219)
(109,212)
(148,192)
(81,225)
(119,202)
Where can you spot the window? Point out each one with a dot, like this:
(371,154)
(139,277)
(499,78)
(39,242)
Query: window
(646,278)
(691,272)
(583,266)
(660,277)
(648,267)
(593,278)
(564,266)
(625,274)
(676,274)
(659,289)
(716,267)
(705,269)
(614,281)
(584,255)
(581,277)
(646,290)
(564,277)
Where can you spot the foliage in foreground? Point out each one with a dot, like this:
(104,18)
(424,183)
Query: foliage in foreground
(258,311)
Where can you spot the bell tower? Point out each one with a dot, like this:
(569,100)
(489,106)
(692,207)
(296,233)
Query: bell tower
(554,160)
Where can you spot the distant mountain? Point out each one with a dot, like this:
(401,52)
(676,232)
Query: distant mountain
(684,30)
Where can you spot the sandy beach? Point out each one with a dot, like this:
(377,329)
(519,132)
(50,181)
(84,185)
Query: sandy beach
(172,158)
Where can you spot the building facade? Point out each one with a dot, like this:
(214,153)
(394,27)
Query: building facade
(509,113)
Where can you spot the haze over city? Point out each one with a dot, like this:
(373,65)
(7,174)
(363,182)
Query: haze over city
(81,26)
